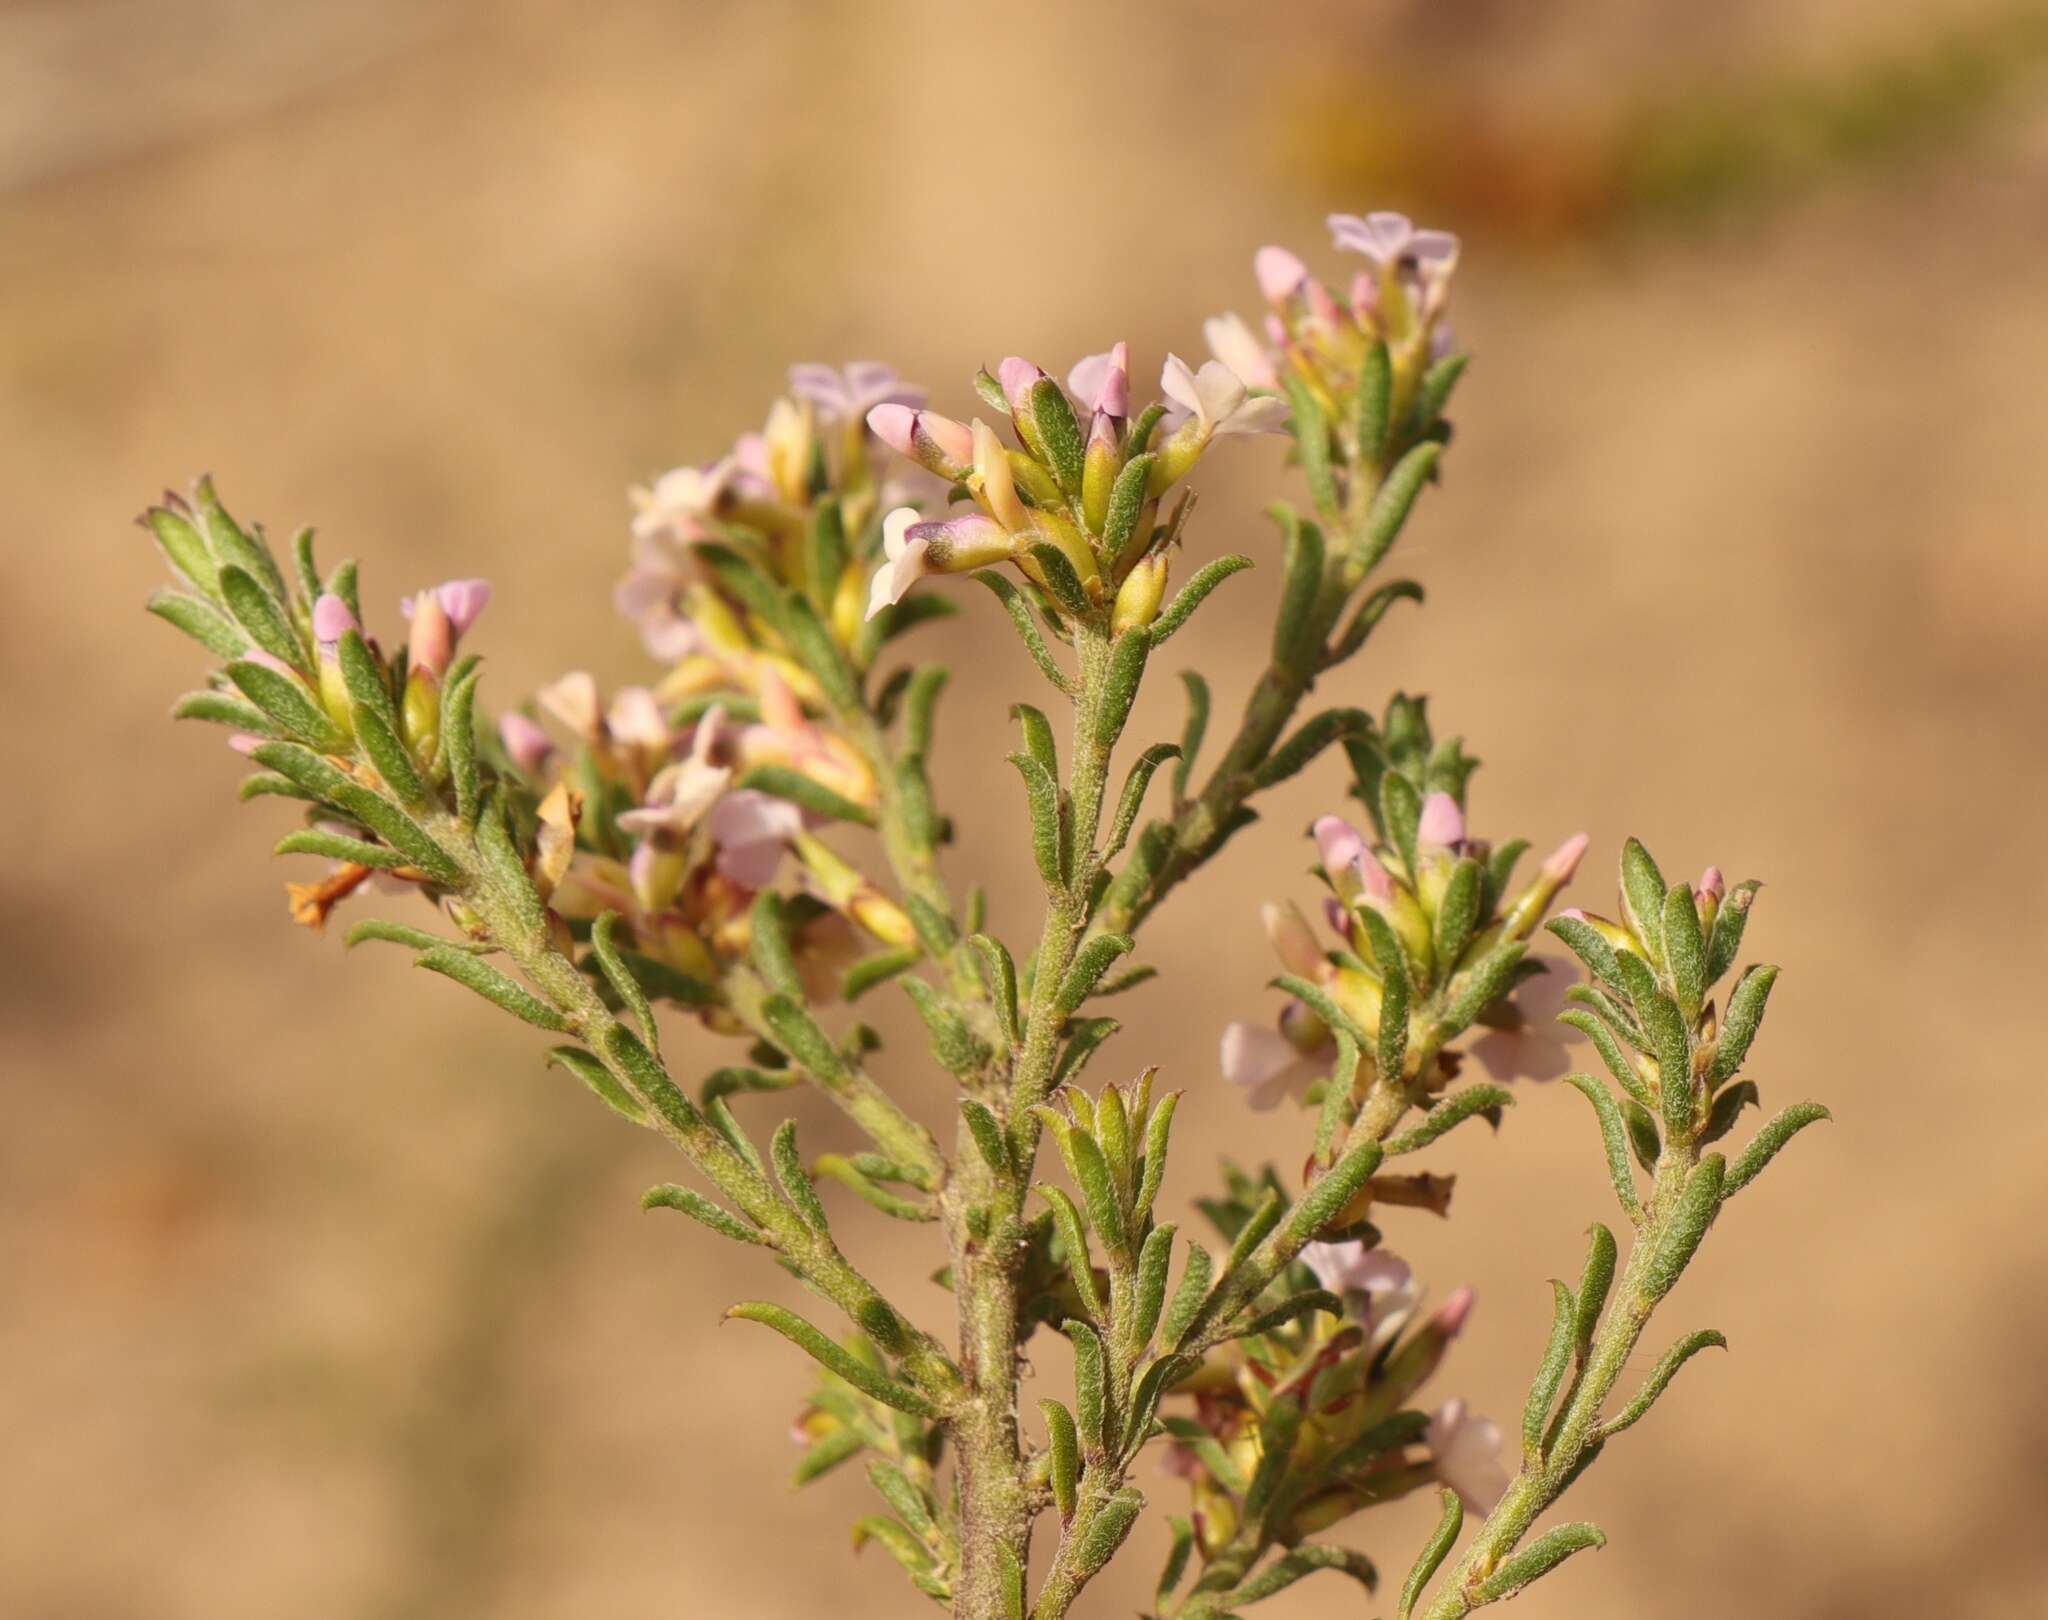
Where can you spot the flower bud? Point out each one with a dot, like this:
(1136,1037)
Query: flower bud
(524,741)
(1138,598)
(1293,941)
(1101,463)
(332,620)
(431,641)
(1526,911)
(997,484)
(1280,274)
(937,443)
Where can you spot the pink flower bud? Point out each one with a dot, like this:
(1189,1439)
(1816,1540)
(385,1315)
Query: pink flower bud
(464,601)
(431,641)
(1293,941)
(1280,274)
(1102,382)
(1442,823)
(245,742)
(332,619)
(1373,877)
(1451,1314)
(1711,886)
(1564,860)
(524,741)
(895,426)
(1018,377)
(1338,843)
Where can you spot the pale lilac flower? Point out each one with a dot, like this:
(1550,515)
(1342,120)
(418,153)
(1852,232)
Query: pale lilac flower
(1102,382)
(1215,399)
(1238,347)
(1263,1064)
(332,619)
(1538,1047)
(1386,237)
(842,396)
(751,830)
(634,720)
(1465,1451)
(463,600)
(1280,273)
(524,741)
(1338,843)
(904,559)
(679,505)
(1352,1268)
(1442,825)
(681,793)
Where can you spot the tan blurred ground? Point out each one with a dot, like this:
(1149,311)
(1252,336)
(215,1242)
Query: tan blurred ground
(322,1299)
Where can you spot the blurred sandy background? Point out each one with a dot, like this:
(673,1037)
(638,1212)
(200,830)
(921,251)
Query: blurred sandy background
(321,1298)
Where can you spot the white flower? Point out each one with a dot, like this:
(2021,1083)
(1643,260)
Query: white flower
(678,503)
(1386,237)
(1263,1064)
(904,560)
(1238,347)
(681,793)
(1216,399)
(1465,1450)
(1352,1268)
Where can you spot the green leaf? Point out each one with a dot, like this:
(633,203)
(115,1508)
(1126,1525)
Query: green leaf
(1126,502)
(288,703)
(1764,1146)
(620,977)
(1728,1105)
(1059,435)
(883,966)
(1319,1002)
(1027,628)
(1127,658)
(794,1180)
(1587,944)
(338,847)
(1666,1370)
(1106,1531)
(1368,616)
(1155,1259)
(606,1087)
(1091,1387)
(770,947)
(401,934)
(849,1174)
(1454,1110)
(1698,1203)
(839,1446)
(1279,1426)
(1089,964)
(1291,1309)
(203,622)
(1594,1283)
(1642,895)
(458,738)
(782,782)
(1193,732)
(1685,951)
(1187,1298)
(1048,842)
(1176,1557)
(703,1210)
(1038,738)
(1457,913)
(799,1035)
(1746,1004)
(1158,1130)
(1557,1357)
(1618,1064)
(1312,442)
(1538,1559)
(260,616)
(953,1043)
(1295,644)
(222,709)
(870,1382)
(391,757)
(1374,403)
(1401,814)
(1064,1452)
(1729,922)
(184,549)
(1434,1551)
(1074,1238)
(1326,1199)
(1133,798)
(824,554)
(230,544)
(1666,1027)
(999,978)
(1292,756)
(1390,507)
(1298,1564)
(1061,582)
(1614,1137)
(493,986)
(1437,383)
(988,1136)
(1191,595)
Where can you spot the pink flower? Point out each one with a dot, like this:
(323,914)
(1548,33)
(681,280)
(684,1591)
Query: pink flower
(1537,1047)
(1338,843)
(680,504)
(1711,886)
(1018,377)
(1216,401)
(1279,274)
(1563,862)
(935,442)
(524,741)
(911,549)
(681,793)
(1352,1268)
(1293,941)
(1442,826)
(634,720)
(1263,1064)
(1102,382)
(843,396)
(1465,1451)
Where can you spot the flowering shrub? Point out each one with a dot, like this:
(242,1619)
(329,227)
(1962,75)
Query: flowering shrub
(752,838)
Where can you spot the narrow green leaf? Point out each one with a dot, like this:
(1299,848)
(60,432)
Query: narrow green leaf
(1685,950)
(1538,1559)
(1746,1004)
(1126,502)
(391,757)
(1729,923)
(794,1180)
(770,948)
(1614,1137)
(1187,1298)
(1089,964)
(783,782)
(1389,511)
(1106,1530)
(1433,1553)
(1764,1146)
(1311,442)
(870,1382)
(879,968)
(338,847)
(703,1210)
(1374,411)
(1128,655)
(1595,1281)
(1155,1259)
(1326,1199)
(1642,896)
(1038,738)
(203,622)
(953,1043)
(1091,1387)
(1064,1451)
(1074,1238)
(1191,595)
(1698,1204)
(1192,733)
(1183,1534)
(288,703)
(1062,584)
(1666,1370)
(1048,840)
(999,977)
(1454,1110)
(1019,611)
(799,1035)
(222,710)
(1557,1357)
(260,616)
(493,986)
(1301,582)
(1133,798)
(1059,435)
(458,737)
